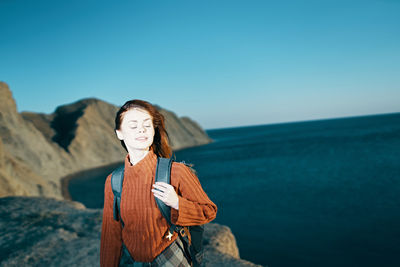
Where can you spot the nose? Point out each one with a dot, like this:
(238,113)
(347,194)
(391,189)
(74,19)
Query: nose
(142,129)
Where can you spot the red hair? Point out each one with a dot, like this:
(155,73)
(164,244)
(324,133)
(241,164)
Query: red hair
(160,144)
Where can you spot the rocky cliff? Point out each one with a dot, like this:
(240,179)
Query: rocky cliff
(37,150)
(37,231)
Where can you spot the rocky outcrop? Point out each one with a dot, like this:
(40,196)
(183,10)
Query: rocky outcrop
(26,154)
(220,247)
(38,231)
(37,150)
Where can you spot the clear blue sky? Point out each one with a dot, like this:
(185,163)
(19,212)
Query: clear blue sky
(222,63)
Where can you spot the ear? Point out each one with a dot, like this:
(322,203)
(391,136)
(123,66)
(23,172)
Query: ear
(119,135)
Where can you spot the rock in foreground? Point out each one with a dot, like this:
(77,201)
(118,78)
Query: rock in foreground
(37,231)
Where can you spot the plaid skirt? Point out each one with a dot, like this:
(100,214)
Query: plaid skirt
(172,256)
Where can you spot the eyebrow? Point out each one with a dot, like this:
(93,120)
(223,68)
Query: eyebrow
(136,120)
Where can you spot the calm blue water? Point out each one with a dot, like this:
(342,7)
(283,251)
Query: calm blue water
(319,193)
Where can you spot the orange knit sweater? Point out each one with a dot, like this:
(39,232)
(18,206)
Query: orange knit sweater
(145,227)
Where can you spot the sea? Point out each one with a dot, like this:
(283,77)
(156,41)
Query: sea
(312,193)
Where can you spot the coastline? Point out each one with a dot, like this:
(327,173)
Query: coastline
(81,174)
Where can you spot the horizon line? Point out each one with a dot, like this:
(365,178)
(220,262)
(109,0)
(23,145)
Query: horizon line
(302,121)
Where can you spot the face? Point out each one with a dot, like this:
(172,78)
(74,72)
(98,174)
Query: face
(137,130)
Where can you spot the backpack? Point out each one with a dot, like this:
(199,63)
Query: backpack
(192,236)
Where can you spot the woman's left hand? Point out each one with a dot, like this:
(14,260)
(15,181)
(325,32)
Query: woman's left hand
(166,193)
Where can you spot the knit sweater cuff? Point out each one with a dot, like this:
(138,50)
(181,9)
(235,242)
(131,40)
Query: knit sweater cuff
(178,216)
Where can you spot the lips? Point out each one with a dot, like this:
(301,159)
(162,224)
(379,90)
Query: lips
(142,138)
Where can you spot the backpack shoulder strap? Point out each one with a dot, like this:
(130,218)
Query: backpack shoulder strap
(163,174)
(117,178)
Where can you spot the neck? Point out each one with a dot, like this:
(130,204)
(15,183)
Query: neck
(137,155)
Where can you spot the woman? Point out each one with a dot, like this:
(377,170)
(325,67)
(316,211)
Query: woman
(140,128)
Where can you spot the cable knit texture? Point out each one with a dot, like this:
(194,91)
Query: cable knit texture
(145,228)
